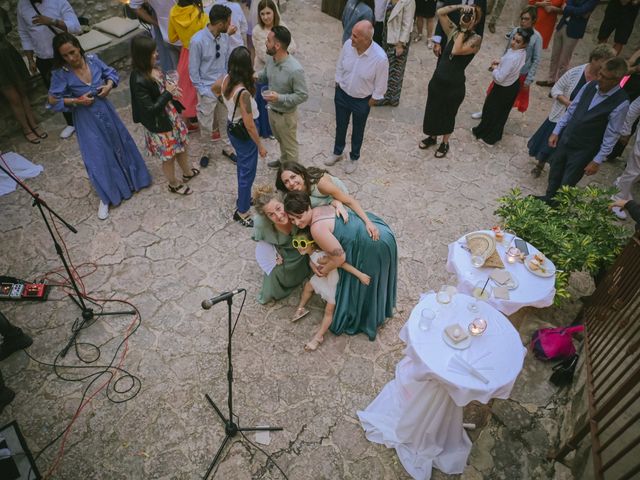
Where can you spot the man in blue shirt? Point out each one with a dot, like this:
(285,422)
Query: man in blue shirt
(208,56)
(589,129)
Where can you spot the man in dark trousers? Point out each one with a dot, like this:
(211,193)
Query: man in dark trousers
(440,39)
(13,339)
(589,129)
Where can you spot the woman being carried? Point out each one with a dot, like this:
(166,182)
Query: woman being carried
(324,286)
(323,189)
(359,308)
(447,86)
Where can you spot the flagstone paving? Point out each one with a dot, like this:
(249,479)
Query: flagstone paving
(165,254)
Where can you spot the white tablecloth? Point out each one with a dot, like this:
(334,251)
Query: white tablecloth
(533,291)
(419,413)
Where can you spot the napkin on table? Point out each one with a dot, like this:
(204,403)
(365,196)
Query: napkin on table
(501,292)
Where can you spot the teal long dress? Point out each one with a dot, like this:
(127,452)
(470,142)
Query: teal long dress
(363,308)
(294,269)
(318,199)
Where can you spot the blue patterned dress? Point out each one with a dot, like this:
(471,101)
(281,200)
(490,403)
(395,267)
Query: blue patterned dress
(114,165)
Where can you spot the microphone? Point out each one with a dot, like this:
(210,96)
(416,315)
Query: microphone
(207,304)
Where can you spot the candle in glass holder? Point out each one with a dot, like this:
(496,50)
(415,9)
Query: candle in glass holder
(499,234)
(477,326)
(513,255)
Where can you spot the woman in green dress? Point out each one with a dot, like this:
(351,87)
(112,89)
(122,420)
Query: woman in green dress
(359,308)
(271,224)
(323,189)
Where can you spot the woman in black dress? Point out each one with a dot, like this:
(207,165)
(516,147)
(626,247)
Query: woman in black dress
(13,84)
(446,88)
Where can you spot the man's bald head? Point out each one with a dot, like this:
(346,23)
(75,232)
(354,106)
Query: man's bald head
(362,35)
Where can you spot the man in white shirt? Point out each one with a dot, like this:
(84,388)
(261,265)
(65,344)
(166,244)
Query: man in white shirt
(38,23)
(239,20)
(159,21)
(631,173)
(361,79)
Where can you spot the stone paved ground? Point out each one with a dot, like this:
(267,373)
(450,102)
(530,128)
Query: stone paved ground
(165,254)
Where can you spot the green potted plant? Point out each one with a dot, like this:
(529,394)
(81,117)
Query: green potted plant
(578,234)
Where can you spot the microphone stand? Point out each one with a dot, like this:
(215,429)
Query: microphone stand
(231,429)
(87,314)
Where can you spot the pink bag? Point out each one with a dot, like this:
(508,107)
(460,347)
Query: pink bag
(554,343)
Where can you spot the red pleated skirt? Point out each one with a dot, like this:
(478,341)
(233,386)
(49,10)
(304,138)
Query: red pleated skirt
(189,96)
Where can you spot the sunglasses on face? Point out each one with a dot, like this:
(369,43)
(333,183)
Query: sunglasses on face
(301,242)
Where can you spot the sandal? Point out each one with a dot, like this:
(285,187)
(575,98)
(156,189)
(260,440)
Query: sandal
(417,38)
(231,156)
(427,142)
(39,132)
(31,137)
(244,221)
(313,345)
(194,173)
(299,313)
(442,150)
(180,190)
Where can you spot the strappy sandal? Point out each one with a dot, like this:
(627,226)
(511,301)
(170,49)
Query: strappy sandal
(313,345)
(442,150)
(39,132)
(194,173)
(417,38)
(299,313)
(427,142)
(244,221)
(180,190)
(31,137)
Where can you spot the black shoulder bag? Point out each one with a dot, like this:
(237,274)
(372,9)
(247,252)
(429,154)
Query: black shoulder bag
(33,4)
(238,129)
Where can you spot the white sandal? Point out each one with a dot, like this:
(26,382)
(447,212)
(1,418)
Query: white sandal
(299,313)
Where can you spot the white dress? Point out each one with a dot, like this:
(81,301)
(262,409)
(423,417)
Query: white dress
(324,286)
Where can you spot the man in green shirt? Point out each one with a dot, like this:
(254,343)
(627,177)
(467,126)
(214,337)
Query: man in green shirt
(287,90)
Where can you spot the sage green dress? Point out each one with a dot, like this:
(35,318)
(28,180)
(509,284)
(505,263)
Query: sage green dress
(294,269)
(364,308)
(318,199)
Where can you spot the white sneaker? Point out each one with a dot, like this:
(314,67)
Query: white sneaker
(103,211)
(67,131)
(618,212)
(333,159)
(350,167)
(476,115)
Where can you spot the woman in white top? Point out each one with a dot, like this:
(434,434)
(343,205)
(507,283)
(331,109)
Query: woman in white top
(506,83)
(237,90)
(268,17)
(562,93)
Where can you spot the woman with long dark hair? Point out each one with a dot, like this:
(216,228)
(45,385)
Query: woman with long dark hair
(153,105)
(237,89)
(447,86)
(80,84)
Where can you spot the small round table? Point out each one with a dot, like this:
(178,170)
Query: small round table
(532,290)
(419,413)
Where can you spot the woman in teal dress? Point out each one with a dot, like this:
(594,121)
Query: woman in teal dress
(272,225)
(323,189)
(359,308)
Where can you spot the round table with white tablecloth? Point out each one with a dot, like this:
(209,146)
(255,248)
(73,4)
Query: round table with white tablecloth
(532,290)
(419,413)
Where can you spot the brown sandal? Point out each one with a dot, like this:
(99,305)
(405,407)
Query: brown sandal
(180,190)
(313,345)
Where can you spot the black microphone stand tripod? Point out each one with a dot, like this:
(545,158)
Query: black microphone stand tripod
(231,429)
(87,314)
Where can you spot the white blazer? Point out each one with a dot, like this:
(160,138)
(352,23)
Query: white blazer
(400,22)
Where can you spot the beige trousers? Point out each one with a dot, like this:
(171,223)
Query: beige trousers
(285,128)
(561,53)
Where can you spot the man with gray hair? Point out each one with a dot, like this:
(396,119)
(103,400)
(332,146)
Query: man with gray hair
(589,129)
(362,73)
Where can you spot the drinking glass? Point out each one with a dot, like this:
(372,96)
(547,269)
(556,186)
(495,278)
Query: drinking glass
(477,260)
(427,316)
(481,291)
(172,77)
(443,297)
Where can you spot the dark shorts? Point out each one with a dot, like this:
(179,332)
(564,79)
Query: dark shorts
(620,19)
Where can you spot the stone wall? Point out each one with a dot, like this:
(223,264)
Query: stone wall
(94,10)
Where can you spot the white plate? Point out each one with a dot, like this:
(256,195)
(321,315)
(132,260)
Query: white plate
(466,343)
(550,269)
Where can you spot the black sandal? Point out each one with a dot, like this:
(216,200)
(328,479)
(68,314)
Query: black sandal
(244,221)
(42,135)
(427,142)
(442,150)
(194,173)
(180,190)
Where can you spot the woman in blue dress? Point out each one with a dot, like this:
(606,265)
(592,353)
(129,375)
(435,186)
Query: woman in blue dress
(359,307)
(80,84)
